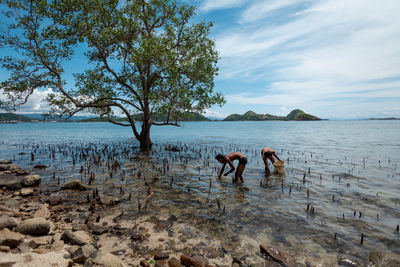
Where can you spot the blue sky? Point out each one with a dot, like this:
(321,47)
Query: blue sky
(331,58)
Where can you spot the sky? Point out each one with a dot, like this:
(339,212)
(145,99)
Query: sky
(336,59)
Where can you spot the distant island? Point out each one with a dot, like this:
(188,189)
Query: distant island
(294,115)
(14,118)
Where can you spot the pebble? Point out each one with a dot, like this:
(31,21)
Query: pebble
(31,180)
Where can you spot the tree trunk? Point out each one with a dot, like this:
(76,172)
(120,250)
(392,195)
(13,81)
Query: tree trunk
(145,140)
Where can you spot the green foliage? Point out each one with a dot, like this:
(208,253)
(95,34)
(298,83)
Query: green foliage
(143,57)
(296,114)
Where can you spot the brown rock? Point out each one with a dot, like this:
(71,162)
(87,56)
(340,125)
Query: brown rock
(41,250)
(10,239)
(174,263)
(40,241)
(160,256)
(42,212)
(7,222)
(34,226)
(106,259)
(26,192)
(144,263)
(79,238)
(4,249)
(57,245)
(76,185)
(276,255)
(31,180)
(81,254)
(188,262)
(7,263)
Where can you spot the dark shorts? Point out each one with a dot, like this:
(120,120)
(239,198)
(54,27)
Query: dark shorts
(243,160)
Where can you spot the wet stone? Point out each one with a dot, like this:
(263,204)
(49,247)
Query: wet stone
(76,185)
(31,180)
(7,222)
(347,262)
(34,226)
(276,255)
(10,181)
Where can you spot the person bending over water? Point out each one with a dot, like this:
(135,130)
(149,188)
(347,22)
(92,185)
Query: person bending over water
(268,154)
(228,160)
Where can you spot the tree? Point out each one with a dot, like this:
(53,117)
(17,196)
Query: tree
(144,56)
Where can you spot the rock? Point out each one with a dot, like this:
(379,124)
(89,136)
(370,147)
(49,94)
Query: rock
(31,180)
(144,263)
(276,255)
(55,199)
(10,181)
(103,258)
(34,226)
(41,250)
(79,238)
(160,256)
(57,245)
(40,241)
(347,262)
(174,263)
(108,200)
(81,254)
(76,185)
(188,262)
(4,249)
(7,264)
(40,166)
(7,222)
(5,161)
(26,192)
(10,239)
(42,212)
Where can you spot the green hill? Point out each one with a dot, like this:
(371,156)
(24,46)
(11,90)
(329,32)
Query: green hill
(294,115)
(6,117)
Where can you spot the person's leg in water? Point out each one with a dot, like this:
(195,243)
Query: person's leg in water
(239,172)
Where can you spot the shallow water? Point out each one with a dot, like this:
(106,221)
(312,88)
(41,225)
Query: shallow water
(350,167)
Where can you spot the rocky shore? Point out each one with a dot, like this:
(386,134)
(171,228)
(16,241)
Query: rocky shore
(78,225)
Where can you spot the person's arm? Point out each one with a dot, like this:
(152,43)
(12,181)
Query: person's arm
(232,167)
(221,171)
(276,156)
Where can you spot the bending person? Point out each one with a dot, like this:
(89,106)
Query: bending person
(228,159)
(268,154)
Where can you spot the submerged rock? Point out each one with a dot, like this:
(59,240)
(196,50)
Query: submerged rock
(10,239)
(76,185)
(34,226)
(277,255)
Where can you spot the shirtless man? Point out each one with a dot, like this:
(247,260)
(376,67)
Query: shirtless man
(268,154)
(228,160)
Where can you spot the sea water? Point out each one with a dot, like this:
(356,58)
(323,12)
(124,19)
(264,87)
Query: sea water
(342,178)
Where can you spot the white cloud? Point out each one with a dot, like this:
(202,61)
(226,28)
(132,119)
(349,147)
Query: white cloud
(262,9)
(35,104)
(213,113)
(332,49)
(210,5)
